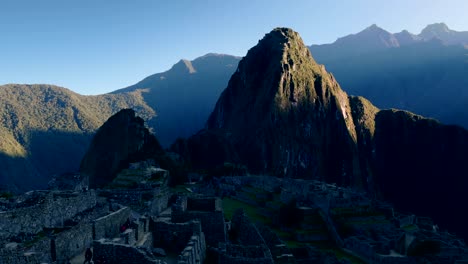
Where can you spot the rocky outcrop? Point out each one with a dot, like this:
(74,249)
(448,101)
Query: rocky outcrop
(285,115)
(123,138)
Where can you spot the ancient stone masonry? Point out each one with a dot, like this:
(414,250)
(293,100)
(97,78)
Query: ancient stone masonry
(244,231)
(155,198)
(186,238)
(359,225)
(51,209)
(72,242)
(279,251)
(208,210)
(248,246)
(122,253)
(38,253)
(237,254)
(194,252)
(109,225)
(304,192)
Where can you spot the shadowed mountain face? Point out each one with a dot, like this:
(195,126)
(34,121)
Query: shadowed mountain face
(283,114)
(425,73)
(123,138)
(45,130)
(421,166)
(184,96)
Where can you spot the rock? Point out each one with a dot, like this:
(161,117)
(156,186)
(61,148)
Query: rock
(122,139)
(281,114)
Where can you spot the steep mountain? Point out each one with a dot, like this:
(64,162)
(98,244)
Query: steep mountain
(282,114)
(121,139)
(285,114)
(184,96)
(421,74)
(46,129)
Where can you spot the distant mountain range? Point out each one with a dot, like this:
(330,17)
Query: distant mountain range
(45,129)
(426,73)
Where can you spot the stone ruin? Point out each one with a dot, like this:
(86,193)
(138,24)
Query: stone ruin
(208,210)
(137,225)
(48,226)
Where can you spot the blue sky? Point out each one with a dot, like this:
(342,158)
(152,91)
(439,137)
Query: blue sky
(97,46)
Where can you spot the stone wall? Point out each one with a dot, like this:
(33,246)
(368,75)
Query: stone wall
(141,227)
(185,239)
(38,253)
(121,253)
(126,196)
(52,212)
(159,202)
(244,231)
(212,220)
(249,245)
(237,254)
(109,226)
(277,248)
(194,252)
(72,242)
(173,236)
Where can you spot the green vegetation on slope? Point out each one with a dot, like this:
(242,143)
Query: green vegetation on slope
(46,129)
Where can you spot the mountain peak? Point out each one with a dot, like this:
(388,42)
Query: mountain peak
(278,40)
(436,28)
(370,39)
(374,27)
(445,34)
(277,86)
(184,66)
(277,71)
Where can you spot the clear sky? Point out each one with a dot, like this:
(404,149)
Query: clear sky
(97,46)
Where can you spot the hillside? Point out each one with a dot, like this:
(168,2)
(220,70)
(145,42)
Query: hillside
(45,130)
(184,96)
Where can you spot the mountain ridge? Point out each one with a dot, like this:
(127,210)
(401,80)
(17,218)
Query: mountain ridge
(194,85)
(410,76)
(375,38)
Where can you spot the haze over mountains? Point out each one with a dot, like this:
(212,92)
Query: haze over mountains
(185,95)
(425,73)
